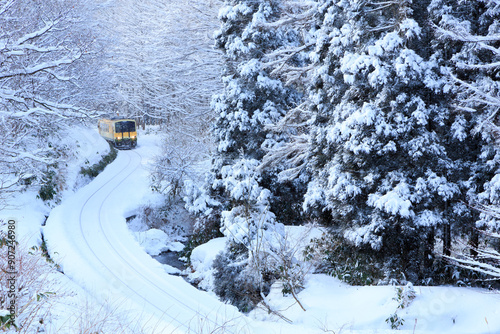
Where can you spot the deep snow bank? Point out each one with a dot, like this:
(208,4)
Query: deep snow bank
(335,307)
(84,147)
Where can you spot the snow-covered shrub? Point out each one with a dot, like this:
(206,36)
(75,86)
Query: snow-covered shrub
(246,225)
(249,217)
(96,169)
(340,259)
(235,282)
(48,187)
(256,242)
(197,200)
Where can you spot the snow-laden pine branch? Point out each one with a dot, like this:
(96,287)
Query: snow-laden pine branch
(486,262)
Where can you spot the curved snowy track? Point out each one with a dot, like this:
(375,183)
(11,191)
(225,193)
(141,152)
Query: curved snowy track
(88,236)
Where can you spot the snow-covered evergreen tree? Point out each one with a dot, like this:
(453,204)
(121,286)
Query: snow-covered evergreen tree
(469,35)
(393,160)
(252,100)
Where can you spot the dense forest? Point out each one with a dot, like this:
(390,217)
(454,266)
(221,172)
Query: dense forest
(376,120)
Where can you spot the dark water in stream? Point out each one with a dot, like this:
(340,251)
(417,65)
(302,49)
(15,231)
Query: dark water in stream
(170,258)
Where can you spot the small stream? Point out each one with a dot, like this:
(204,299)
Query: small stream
(171,259)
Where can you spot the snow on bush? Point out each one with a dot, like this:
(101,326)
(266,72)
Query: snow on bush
(155,241)
(198,202)
(202,258)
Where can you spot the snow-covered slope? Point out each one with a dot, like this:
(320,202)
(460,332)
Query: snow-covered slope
(84,147)
(88,236)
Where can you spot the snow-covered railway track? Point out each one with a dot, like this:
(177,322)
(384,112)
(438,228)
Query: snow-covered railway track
(136,269)
(88,236)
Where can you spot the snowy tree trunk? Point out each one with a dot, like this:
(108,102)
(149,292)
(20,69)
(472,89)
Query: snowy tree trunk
(447,239)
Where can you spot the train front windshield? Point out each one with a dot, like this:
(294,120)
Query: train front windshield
(125,126)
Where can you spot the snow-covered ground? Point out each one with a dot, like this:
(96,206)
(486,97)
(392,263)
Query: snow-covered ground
(335,307)
(88,236)
(108,274)
(30,212)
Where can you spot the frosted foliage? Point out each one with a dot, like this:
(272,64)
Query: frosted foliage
(314,196)
(237,227)
(365,116)
(394,202)
(366,235)
(410,28)
(244,227)
(253,99)
(470,73)
(36,287)
(234,12)
(492,190)
(439,184)
(353,131)
(409,65)
(250,68)
(235,45)
(429,218)
(241,180)
(42,45)
(196,199)
(250,222)
(353,64)
(342,186)
(246,106)
(268,84)
(268,116)
(376,62)
(391,151)
(395,145)
(390,42)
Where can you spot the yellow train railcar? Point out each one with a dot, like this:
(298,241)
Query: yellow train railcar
(121,132)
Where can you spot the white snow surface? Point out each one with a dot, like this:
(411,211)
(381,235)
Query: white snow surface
(88,236)
(202,259)
(335,307)
(28,211)
(103,264)
(155,241)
